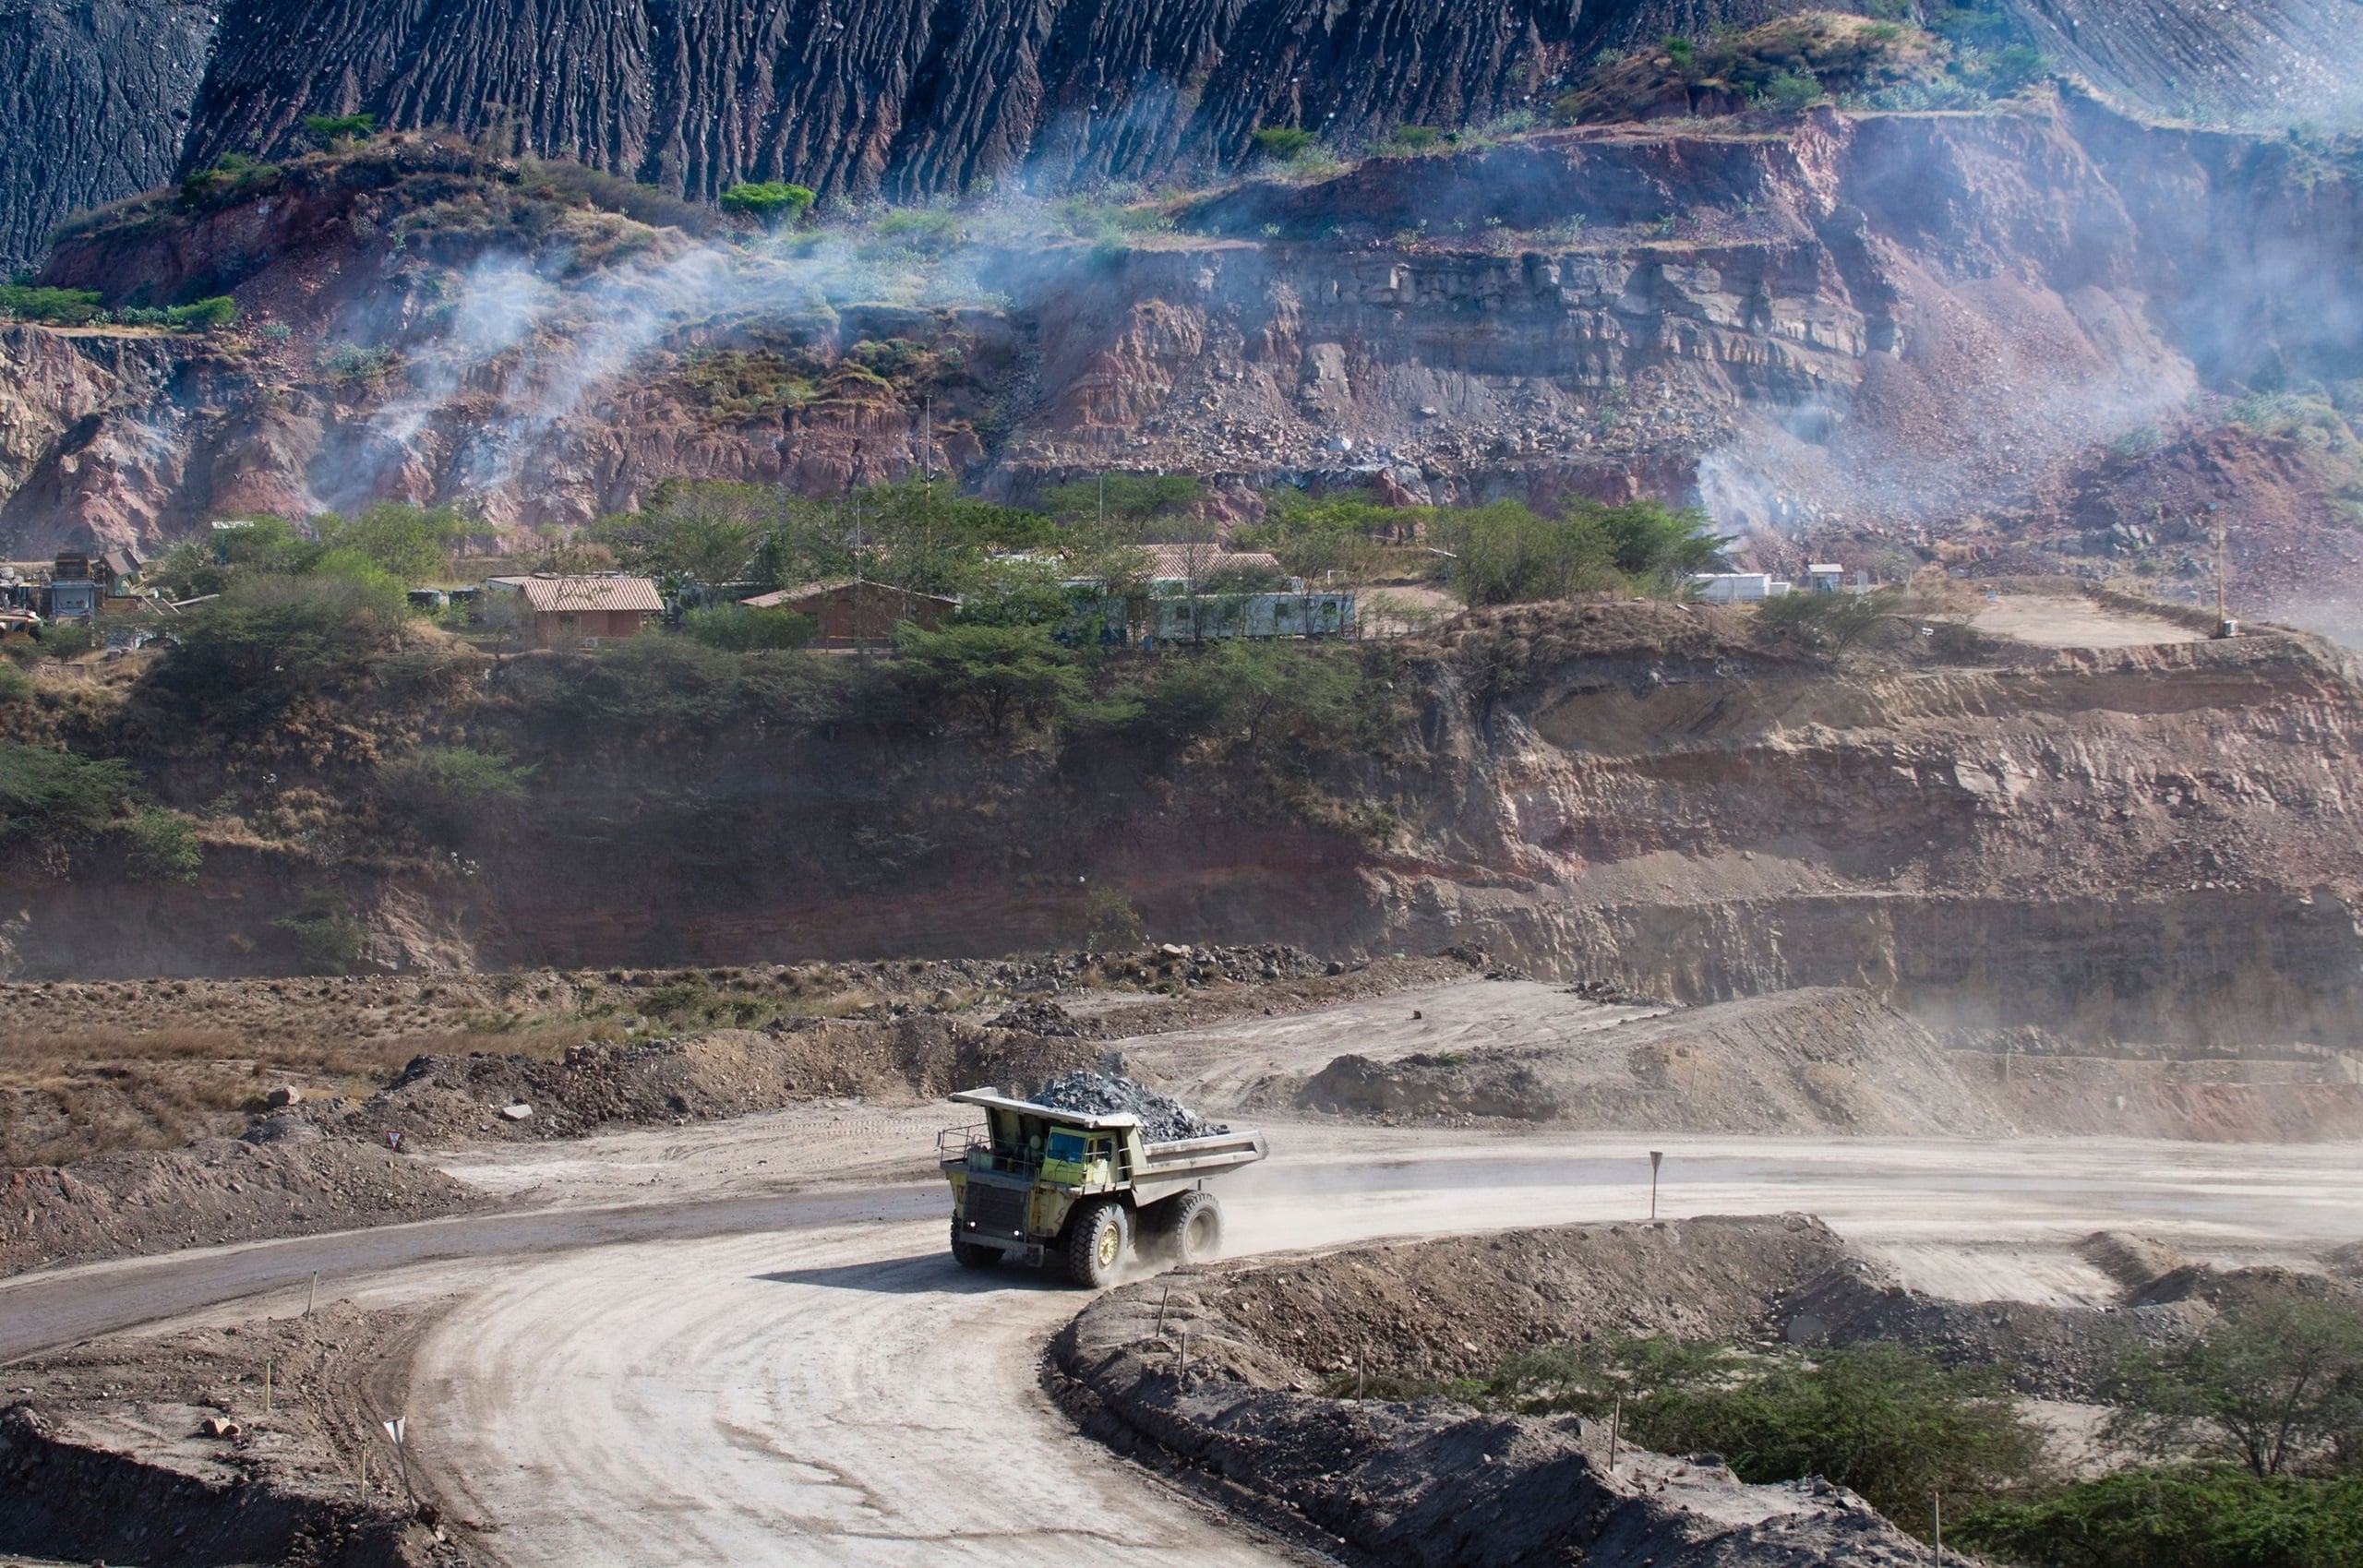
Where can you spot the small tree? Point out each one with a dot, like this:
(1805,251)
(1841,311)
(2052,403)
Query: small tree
(770,202)
(1109,921)
(995,673)
(2272,1386)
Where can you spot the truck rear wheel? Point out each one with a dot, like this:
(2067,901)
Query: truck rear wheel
(1197,1228)
(1095,1241)
(972,1255)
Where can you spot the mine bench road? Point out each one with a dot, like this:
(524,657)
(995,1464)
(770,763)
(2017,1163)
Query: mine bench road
(806,1377)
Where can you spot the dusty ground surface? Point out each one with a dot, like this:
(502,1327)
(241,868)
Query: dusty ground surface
(704,1317)
(2049,620)
(87,1066)
(325,1164)
(198,1460)
(1812,1060)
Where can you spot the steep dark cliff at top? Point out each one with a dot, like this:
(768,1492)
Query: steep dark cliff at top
(94,103)
(909,99)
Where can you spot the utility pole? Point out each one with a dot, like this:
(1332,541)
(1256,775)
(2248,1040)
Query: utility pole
(2225,625)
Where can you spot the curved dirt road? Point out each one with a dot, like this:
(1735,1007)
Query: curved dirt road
(846,1395)
(687,1353)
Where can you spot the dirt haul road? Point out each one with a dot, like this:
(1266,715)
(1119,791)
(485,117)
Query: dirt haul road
(733,1365)
(844,1393)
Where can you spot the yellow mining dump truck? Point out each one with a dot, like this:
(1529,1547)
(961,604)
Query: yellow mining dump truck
(1038,1184)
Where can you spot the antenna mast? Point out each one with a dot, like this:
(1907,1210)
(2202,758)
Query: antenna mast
(2225,625)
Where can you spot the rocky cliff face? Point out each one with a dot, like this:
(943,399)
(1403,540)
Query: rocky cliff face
(862,97)
(2151,844)
(1893,324)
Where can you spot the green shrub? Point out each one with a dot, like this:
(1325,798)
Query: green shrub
(770,203)
(354,362)
(203,315)
(1284,144)
(928,230)
(742,629)
(15,685)
(1884,1420)
(411,544)
(2276,1385)
(48,793)
(61,307)
(330,129)
(1109,921)
(1413,141)
(1508,554)
(1795,89)
(2181,1518)
(451,791)
(1826,623)
(163,846)
(327,935)
(233,174)
(2139,442)
(241,663)
(992,674)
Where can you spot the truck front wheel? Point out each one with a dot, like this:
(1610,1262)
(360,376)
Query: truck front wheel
(971,1254)
(1095,1241)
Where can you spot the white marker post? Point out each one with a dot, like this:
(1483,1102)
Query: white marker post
(1657,1158)
(394,1428)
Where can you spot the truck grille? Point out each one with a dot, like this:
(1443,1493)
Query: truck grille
(995,1210)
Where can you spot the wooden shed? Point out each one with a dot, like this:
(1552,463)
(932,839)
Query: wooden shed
(564,611)
(848,613)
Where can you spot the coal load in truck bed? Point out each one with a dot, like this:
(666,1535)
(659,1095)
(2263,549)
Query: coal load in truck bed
(1164,1119)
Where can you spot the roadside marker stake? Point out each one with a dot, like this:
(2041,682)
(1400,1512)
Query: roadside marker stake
(1615,1431)
(1657,1158)
(394,1428)
(313,1294)
(266,1385)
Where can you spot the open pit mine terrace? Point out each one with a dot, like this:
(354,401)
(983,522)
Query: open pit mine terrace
(653,1304)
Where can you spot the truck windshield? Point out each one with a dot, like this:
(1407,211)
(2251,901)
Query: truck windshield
(1065,1145)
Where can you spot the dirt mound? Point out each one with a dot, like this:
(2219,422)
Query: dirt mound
(1046,1018)
(2134,1262)
(1821,1059)
(1432,1481)
(728,1073)
(1164,1119)
(216,1191)
(161,1451)
(1218,1371)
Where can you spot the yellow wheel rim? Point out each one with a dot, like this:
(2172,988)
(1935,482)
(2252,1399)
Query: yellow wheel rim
(1110,1242)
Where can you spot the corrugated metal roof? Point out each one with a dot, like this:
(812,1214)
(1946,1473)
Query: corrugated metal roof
(568,593)
(780,597)
(1179,562)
